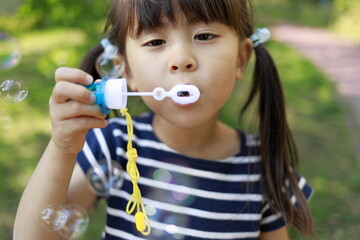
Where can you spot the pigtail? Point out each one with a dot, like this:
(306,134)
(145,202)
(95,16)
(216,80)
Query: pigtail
(278,150)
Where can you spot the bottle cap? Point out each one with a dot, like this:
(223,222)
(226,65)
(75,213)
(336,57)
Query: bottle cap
(115,93)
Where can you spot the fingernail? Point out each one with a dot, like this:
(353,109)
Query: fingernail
(89,79)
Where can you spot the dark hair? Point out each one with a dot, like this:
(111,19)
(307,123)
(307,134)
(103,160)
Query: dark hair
(278,152)
(279,156)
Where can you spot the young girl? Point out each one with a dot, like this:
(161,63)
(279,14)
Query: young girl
(205,179)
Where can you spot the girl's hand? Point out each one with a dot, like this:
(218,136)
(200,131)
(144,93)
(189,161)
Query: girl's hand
(72,110)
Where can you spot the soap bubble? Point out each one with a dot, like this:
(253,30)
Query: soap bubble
(181,193)
(172,229)
(110,65)
(102,180)
(77,222)
(174,223)
(53,217)
(9,51)
(150,210)
(13,91)
(70,221)
(6,122)
(162,175)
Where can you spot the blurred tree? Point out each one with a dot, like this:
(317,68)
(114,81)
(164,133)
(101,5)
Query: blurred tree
(82,14)
(348,18)
(345,5)
(311,1)
(325,1)
(9,6)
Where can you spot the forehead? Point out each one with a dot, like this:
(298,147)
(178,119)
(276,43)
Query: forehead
(146,15)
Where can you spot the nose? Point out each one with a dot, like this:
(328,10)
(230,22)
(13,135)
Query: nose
(182,60)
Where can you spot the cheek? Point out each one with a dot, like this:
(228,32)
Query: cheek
(223,92)
(223,72)
(145,75)
(223,62)
(140,77)
(221,77)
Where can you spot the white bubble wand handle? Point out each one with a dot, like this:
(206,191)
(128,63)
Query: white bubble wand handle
(181,93)
(112,94)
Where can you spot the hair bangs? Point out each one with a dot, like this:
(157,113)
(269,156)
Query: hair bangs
(146,15)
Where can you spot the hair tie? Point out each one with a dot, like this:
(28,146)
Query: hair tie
(260,36)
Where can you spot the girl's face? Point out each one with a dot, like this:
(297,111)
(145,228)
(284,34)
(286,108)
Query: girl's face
(209,56)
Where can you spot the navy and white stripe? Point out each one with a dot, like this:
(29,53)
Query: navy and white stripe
(194,198)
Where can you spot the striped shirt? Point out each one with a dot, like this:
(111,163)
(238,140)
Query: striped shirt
(190,198)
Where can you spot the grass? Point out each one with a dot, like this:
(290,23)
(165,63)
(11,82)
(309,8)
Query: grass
(315,111)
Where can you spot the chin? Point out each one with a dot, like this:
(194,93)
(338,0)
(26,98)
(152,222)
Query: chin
(188,121)
(185,116)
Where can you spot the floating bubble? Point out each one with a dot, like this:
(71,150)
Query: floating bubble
(109,68)
(70,221)
(181,193)
(77,222)
(150,210)
(157,233)
(53,217)
(13,91)
(174,223)
(10,53)
(172,229)
(6,122)
(162,175)
(102,180)
(109,64)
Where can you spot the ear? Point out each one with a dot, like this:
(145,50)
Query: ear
(245,52)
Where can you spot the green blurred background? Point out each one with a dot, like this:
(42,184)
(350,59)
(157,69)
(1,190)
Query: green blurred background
(55,33)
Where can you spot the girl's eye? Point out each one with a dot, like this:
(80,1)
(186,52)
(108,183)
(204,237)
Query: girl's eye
(204,36)
(155,43)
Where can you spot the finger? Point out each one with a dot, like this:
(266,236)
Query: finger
(74,126)
(73,109)
(65,91)
(73,75)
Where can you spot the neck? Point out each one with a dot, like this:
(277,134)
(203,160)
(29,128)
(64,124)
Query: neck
(212,140)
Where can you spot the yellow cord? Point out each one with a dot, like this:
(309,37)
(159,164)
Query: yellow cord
(141,219)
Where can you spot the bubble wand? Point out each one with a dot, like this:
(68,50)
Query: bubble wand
(112,94)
